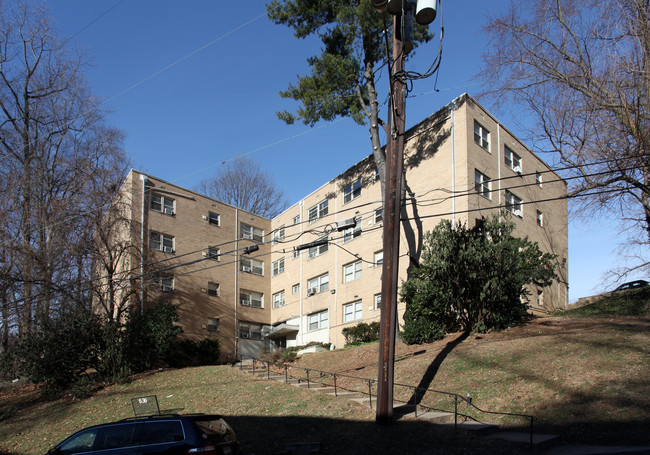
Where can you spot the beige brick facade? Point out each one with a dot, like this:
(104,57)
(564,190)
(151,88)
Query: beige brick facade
(460,163)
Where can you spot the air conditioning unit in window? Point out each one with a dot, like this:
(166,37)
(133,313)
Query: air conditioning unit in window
(244,335)
(168,249)
(213,328)
(246,268)
(246,302)
(167,288)
(168,211)
(311,291)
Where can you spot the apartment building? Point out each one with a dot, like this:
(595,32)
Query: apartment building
(316,268)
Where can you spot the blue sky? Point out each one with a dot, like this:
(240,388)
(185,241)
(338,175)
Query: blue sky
(195,83)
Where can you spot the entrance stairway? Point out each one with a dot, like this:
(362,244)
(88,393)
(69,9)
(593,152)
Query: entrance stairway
(406,411)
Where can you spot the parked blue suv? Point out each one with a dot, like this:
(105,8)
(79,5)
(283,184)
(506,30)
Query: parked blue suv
(172,434)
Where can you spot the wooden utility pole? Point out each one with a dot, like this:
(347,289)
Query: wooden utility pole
(391,232)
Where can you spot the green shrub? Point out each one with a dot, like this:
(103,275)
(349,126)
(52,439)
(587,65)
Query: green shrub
(193,353)
(361,333)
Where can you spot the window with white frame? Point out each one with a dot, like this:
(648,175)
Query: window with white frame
(352,271)
(163,282)
(295,289)
(319,284)
(353,232)
(214,219)
(251,232)
(249,330)
(296,220)
(278,299)
(278,234)
(317,250)
(253,266)
(482,184)
(318,320)
(214,254)
(540,218)
(377,300)
(481,136)
(513,161)
(213,289)
(318,211)
(278,266)
(379,258)
(161,242)
(513,204)
(351,191)
(540,298)
(538,179)
(251,298)
(379,215)
(352,311)
(163,204)
(213,325)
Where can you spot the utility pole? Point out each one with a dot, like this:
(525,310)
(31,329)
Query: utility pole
(391,233)
(404,13)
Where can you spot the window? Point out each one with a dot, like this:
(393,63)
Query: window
(296,219)
(538,179)
(317,250)
(213,325)
(296,254)
(318,284)
(379,259)
(482,184)
(481,136)
(351,191)
(214,254)
(278,266)
(163,282)
(251,331)
(352,311)
(318,211)
(377,299)
(81,442)
(352,271)
(278,299)
(251,233)
(161,242)
(318,320)
(213,289)
(513,204)
(353,232)
(278,234)
(295,289)
(214,219)
(540,298)
(540,219)
(162,204)
(379,215)
(254,266)
(513,161)
(251,298)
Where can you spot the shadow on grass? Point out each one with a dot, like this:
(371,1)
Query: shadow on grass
(273,435)
(432,370)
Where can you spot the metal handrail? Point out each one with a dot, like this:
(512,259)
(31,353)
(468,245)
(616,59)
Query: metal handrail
(370,381)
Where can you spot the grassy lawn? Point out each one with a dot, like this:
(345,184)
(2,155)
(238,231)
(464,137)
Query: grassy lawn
(585,378)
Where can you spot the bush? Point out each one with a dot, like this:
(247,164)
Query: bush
(192,353)
(361,333)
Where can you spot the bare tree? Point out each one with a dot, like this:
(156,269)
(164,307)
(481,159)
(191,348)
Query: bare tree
(54,146)
(581,71)
(244,184)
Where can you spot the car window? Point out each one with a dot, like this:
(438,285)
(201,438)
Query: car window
(115,436)
(159,432)
(215,429)
(80,442)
